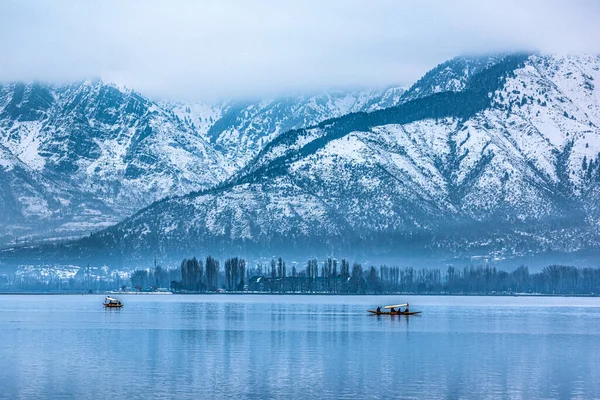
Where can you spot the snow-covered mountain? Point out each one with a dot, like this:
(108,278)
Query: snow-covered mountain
(93,153)
(75,158)
(504,159)
(241,129)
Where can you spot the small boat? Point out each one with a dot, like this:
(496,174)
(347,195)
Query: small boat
(110,302)
(393,311)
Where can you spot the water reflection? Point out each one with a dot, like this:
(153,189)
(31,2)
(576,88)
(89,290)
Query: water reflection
(305,346)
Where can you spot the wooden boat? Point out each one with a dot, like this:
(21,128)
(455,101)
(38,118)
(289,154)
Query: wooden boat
(393,313)
(376,312)
(109,302)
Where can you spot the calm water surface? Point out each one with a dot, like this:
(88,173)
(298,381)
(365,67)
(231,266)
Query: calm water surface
(255,347)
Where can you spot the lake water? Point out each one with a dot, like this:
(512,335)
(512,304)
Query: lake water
(310,347)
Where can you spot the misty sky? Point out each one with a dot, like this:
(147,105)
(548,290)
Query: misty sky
(200,50)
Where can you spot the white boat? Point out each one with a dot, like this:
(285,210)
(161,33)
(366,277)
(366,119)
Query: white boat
(110,302)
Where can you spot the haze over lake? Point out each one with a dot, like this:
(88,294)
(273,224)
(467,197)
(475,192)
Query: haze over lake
(254,347)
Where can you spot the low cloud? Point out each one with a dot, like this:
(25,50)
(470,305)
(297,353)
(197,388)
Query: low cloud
(204,50)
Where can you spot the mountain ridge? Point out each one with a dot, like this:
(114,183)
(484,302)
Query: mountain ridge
(105,151)
(500,167)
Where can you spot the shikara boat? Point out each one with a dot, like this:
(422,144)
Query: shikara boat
(394,312)
(109,302)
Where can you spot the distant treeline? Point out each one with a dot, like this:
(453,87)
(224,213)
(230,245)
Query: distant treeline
(332,276)
(329,277)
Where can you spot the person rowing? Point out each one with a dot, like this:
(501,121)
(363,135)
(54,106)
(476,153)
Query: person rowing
(378,310)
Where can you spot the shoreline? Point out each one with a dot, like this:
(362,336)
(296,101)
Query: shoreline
(295,294)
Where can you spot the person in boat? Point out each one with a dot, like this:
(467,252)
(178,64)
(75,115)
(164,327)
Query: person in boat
(406,308)
(378,310)
(392,310)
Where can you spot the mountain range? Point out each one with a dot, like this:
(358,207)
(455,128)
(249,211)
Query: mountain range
(76,158)
(494,156)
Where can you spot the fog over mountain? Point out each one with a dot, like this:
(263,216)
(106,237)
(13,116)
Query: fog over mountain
(202,51)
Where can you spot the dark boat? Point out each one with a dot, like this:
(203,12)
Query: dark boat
(394,313)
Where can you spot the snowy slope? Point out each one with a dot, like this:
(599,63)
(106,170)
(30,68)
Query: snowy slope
(450,76)
(106,151)
(102,145)
(241,129)
(505,162)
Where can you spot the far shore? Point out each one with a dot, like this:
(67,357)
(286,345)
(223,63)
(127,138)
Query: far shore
(296,294)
